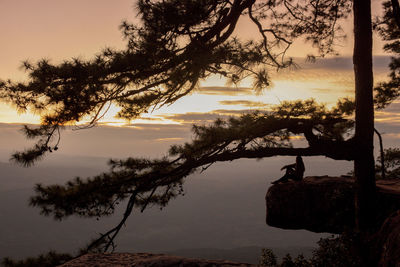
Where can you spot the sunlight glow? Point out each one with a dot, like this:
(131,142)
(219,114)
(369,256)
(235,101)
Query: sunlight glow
(326,81)
(287,87)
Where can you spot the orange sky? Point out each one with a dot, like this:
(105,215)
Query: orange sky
(63,29)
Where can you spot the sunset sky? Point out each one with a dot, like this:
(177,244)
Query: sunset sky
(64,29)
(59,30)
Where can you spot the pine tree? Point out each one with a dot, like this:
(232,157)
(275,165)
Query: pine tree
(178,44)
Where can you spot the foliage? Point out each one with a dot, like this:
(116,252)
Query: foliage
(177,44)
(391,163)
(336,251)
(49,259)
(155,182)
(332,251)
(268,258)
(388,26)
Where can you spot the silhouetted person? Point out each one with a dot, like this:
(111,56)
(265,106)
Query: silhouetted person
(294,171)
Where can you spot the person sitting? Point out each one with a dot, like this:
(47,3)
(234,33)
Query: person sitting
(294,171)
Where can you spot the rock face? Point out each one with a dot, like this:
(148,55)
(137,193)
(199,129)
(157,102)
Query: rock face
(389,241)
(145,260)
(323,204)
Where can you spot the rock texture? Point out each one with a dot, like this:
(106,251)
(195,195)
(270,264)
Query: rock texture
(323,204)
(145,260)
(389,241)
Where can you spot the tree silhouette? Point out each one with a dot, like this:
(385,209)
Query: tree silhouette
(177,44)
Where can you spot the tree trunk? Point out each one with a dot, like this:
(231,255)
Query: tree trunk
(364,133)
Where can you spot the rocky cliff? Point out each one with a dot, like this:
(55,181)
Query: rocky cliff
(318,204)
(324,204)
(388,241)
(145,260)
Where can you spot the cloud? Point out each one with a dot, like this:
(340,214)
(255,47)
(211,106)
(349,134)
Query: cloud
(387,122)
(206,117)
(150,119)
(244,103)
(195,117)
(169,139)
(388,118)
(393,135)
(391,113)
(154,139)
(234,112)
(329,90)
(337,70)
(394,107)
(225,90)
(343,63)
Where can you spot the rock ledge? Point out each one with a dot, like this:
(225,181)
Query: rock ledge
(145,260)
(323,203)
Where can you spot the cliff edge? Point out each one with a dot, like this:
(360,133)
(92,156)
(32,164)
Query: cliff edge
(145,260)
(324,204)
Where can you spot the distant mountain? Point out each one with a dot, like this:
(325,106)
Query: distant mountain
(223,208)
